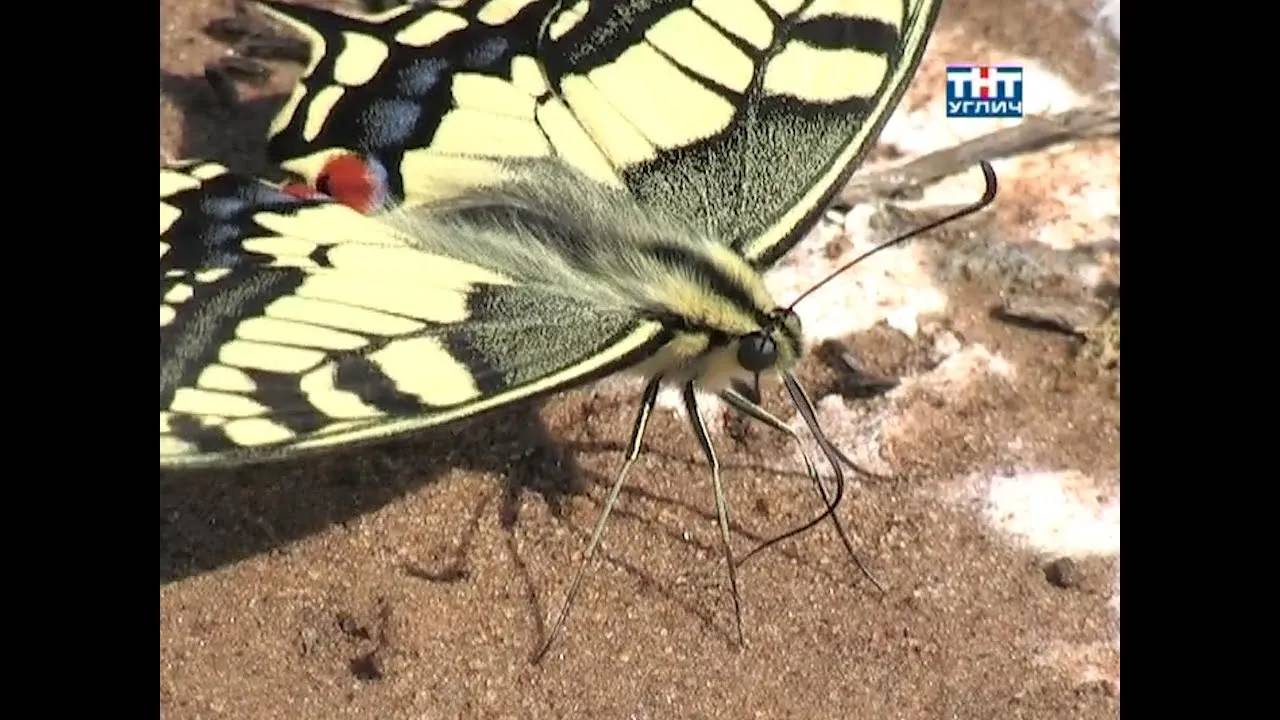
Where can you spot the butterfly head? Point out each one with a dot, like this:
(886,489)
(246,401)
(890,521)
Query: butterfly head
(776,346)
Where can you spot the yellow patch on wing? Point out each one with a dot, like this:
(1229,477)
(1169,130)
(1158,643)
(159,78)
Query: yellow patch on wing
(429,28)
(470,132)
(318,111)
(496,12)
(745,19)
(173,182)
(490,94)
(567,19)
(285,115)
(179,293)
(340,316)
(225,377)
(613,132)
(209,402)
(430,175)
(256,431)
(824,76)
(527,75)
(670,108)
(696,44)
(168,216)
(265,356)
(784,7)
(886,11)
(320,391)
(361,58)
(371,292)
(287,332)
(423,367)
(573,143)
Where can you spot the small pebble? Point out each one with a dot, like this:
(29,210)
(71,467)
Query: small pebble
(1062,573)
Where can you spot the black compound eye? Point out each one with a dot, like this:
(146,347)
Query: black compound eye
(757,352)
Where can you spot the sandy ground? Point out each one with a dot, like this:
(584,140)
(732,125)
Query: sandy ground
(414,580)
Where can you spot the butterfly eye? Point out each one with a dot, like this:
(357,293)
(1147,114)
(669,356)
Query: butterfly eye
(757,352)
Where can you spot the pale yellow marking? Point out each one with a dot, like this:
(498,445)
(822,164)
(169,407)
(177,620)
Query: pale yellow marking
(320,312)
(258,431)
(308,167)
(167,314)
(621,142)
(395,12)
(374,293)
(318,386)
(422,367)
(287,111)
(274,358)
(172,182)
(345,432)
(330,224)
(179,293)
(573,143)
(412,268)
(172,446)
(473,132)
(168,216)
(824,76)
(165,418)
(664,103)
(747,20)
(207,171)
(491,94)
(783,7)
(527,75)
(913,42)
(283,247)
(431,176)
(313,38)
(223,377)
(887,11)
(567,20)
(430,28)
(209,402)
(279,246)
(360,59)
(287,332)
(210,276)
(318,111)
(164,248)
(500,11)
(696,44)
(175,273)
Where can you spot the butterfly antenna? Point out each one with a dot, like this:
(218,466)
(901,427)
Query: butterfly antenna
(988,173)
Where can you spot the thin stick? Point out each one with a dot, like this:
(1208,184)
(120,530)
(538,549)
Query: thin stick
(1101,118)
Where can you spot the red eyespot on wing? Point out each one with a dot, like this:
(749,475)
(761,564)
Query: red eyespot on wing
(302,191)
(354,181)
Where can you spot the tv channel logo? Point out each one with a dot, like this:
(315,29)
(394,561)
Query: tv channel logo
(984,91)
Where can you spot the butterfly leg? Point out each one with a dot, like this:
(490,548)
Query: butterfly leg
(742,404)
(633,451)
(722,507)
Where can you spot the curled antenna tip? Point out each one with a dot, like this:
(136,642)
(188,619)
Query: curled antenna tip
(988,195)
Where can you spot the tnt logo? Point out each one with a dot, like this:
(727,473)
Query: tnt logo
(984,91)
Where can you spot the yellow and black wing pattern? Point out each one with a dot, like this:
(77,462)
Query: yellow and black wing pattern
(288,324)
(743,117)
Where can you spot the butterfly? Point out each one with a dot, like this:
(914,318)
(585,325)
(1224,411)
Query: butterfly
(502,199)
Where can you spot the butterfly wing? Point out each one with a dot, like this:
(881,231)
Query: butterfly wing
(288,324)
(740,116)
